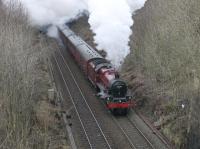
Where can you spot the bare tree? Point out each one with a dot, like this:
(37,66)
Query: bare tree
(166,50)
(22,79)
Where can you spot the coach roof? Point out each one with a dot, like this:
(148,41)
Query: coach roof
(86,51)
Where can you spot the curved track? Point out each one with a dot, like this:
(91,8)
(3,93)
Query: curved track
(93,132)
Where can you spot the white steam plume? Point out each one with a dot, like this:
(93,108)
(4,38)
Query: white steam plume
(110,20)
(136,4)
(44,12)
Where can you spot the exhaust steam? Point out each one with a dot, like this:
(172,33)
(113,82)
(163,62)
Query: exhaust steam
(110,20)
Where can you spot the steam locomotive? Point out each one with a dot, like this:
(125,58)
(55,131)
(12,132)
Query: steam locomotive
(100,72)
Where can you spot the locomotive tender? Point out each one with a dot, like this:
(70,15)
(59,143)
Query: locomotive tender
(99,71)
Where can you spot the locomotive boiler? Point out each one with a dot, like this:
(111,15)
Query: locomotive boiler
(99,71)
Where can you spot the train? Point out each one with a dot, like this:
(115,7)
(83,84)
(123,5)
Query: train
(99,71)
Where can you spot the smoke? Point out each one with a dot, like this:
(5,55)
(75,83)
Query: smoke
(110,20)
(136,4)
(52,31)
(44,12)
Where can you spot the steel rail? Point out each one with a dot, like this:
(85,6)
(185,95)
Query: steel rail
(125,134)
(156,132)
(72,75)
(73,102)
(142,134)
(132,127)
(70,135)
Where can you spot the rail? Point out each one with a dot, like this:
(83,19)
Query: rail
(92,130)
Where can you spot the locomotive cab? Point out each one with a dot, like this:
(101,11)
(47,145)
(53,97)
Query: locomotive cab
(118,89)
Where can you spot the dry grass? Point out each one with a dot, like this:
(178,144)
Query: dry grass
(166,51)
(24,81)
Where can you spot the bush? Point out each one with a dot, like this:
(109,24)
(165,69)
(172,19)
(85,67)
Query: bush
(166,50)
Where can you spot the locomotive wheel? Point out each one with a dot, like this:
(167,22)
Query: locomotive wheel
(114,112)
(120,112)
(124,111)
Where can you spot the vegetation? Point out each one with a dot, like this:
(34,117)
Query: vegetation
(165,56)
(25,111)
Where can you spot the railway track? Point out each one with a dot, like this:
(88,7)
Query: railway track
(92,129)
(133,134)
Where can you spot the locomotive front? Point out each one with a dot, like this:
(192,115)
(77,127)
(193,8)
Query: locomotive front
(113,90)
(118,89)
(118,101)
